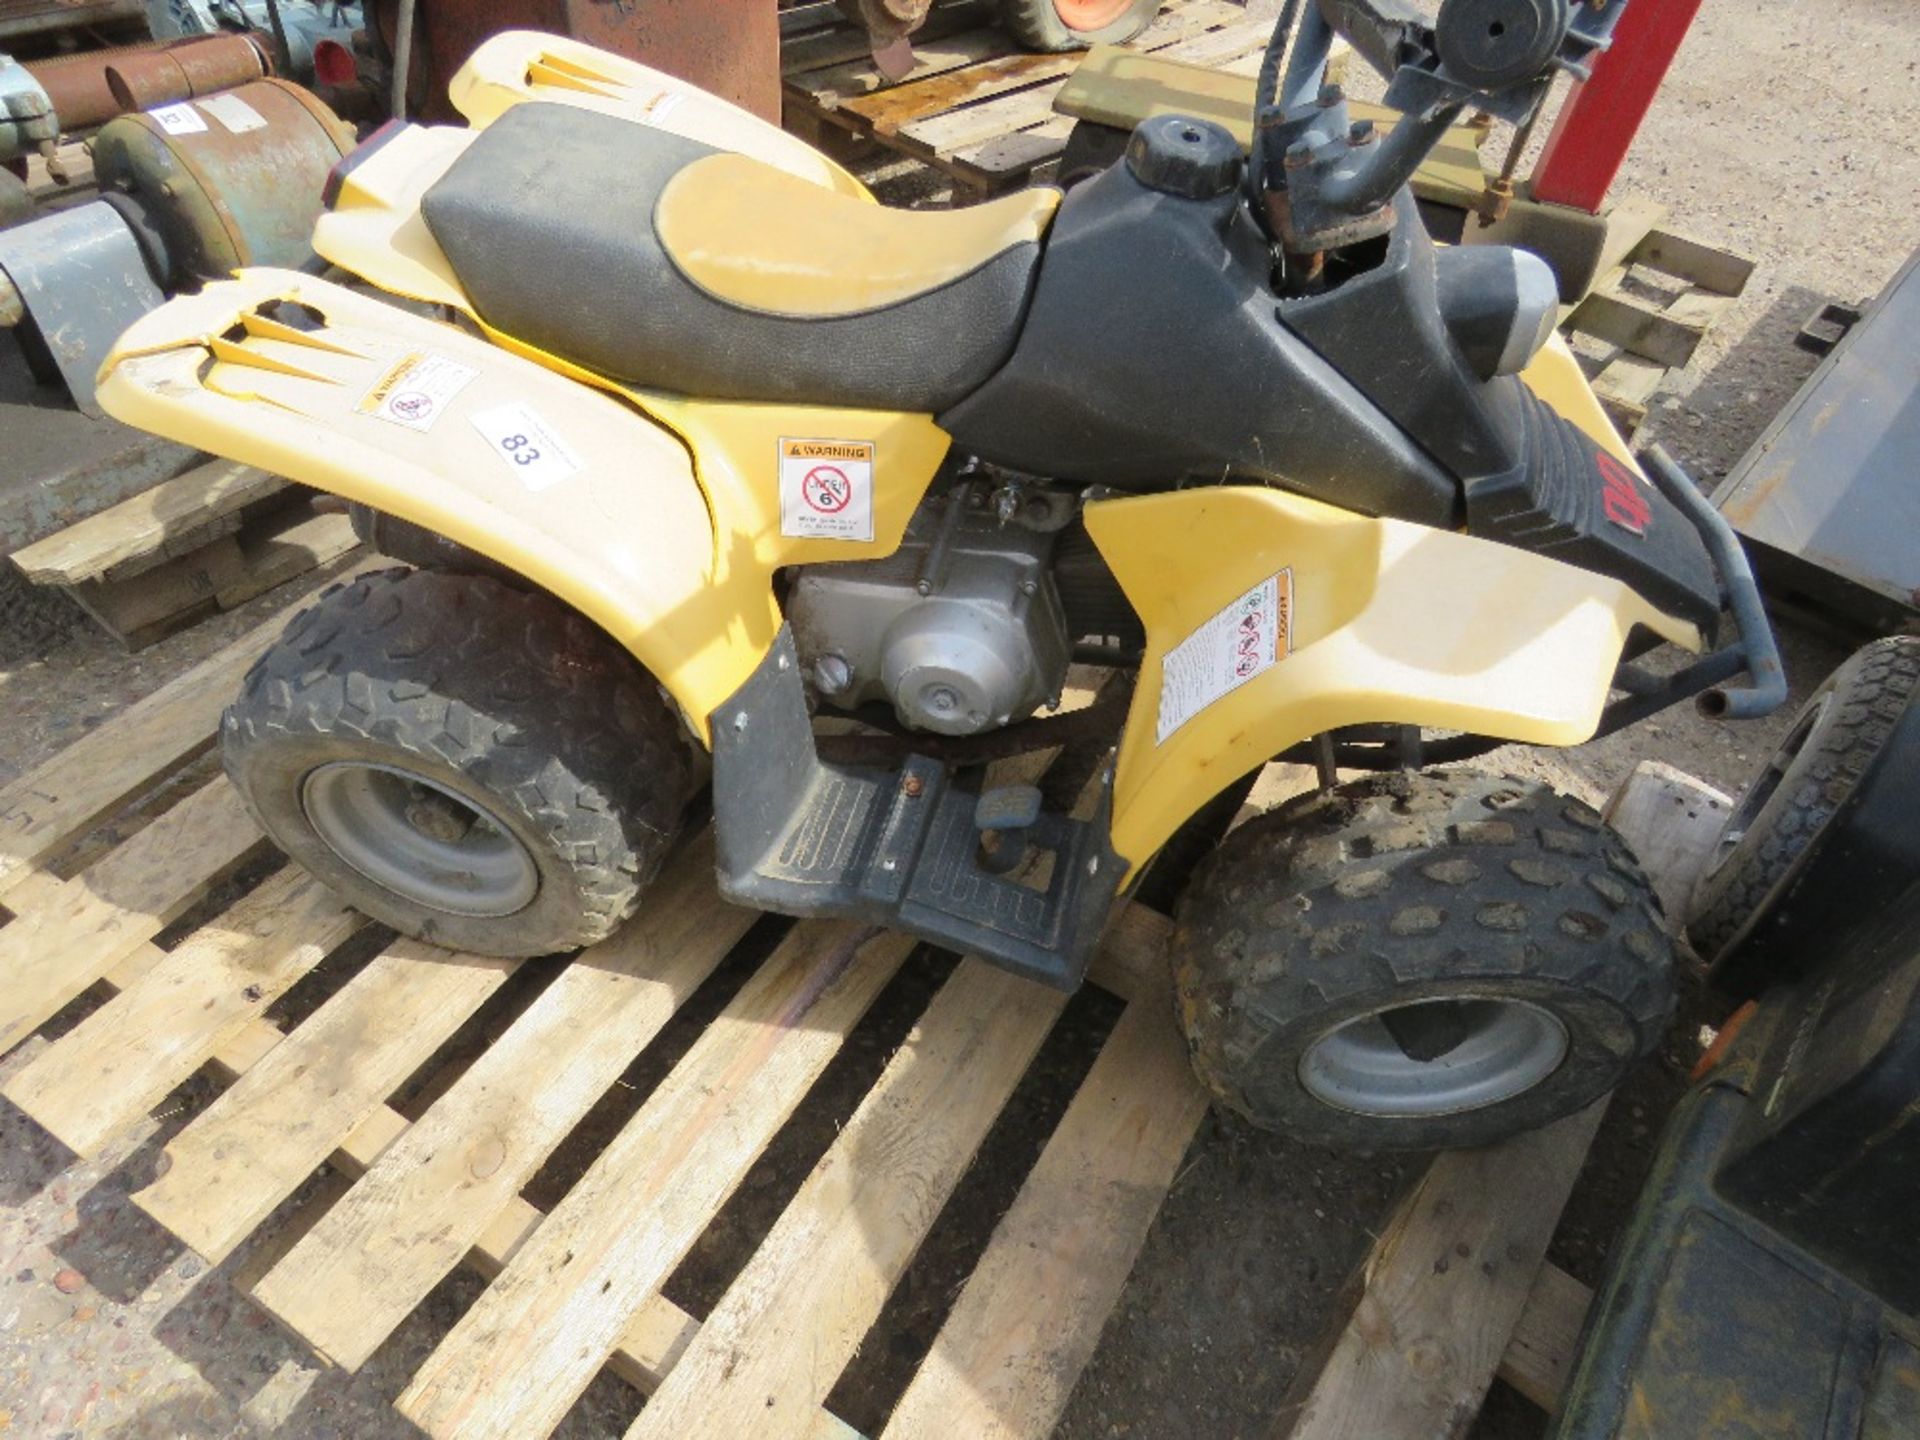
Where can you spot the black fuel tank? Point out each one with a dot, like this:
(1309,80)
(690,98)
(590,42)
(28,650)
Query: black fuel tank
(1154,354)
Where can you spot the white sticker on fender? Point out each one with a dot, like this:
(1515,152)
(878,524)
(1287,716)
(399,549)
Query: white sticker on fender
(826,489)
(1246,639)
(417,390)
(181,119)
(529,446)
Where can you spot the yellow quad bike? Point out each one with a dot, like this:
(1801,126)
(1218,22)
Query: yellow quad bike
(697,452)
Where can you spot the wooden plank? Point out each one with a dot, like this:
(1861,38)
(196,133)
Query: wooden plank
(1630,382)
(940,135)
(1121,88)
(1670,820)
(804,58)
(290,546)
(903,104)
(1546,1338)
(363,1269)
(767,1356)
(1444,1287)
(1695,261)
(856,90)
(67,796)
(1031,1313)
(156,602)
(253,1146)
(67,934)
(131,1052)
(1612,315)
(145,523)
(517,1361)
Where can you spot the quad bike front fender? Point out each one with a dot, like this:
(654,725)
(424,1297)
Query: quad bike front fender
(1378,621)
(675,560)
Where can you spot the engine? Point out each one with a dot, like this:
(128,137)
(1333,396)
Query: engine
(961,629)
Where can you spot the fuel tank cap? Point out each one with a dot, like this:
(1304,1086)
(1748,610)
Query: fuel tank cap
(1194,159)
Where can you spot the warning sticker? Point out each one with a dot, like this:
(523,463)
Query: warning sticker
(530,447)
(416,390)
(1246,639)
(826,489)
(181,119)
(234,113)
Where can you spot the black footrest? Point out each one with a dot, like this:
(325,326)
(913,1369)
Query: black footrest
(897,847)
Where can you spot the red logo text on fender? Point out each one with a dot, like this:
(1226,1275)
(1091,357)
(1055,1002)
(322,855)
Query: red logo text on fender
(1620,495)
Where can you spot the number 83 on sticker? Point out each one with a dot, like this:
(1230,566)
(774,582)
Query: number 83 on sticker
(518,434)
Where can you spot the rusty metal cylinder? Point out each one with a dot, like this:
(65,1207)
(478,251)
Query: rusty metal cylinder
(180,72)
(225,180)
(82,91)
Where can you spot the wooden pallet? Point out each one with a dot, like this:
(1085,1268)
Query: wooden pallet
(1648,313)
(579,1288)
(975,107)
(209,539)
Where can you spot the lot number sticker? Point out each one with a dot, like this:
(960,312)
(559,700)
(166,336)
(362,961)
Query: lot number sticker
(529,446)
(181,119)
(826,489)
(415,392)
(1246,639)
(234,113)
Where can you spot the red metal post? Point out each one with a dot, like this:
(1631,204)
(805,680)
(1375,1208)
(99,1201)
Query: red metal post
(1596,126)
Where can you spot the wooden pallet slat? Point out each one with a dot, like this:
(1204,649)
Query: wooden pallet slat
(251,1149)
(125,1057)
(67,934)
(375,1256)
(941,135)
(521,1356)
(766,1358)
(145,525)
(76,789)
(1028,1318)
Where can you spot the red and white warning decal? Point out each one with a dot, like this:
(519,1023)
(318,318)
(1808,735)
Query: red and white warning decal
(416,390)
(1246,639)
(826,489)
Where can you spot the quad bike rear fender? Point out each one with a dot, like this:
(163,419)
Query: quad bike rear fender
(665,531)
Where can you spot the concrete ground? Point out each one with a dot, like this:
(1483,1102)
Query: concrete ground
(1782,133)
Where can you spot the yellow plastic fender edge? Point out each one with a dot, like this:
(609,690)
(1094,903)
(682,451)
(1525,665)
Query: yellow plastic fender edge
(1271,618)
(569,485)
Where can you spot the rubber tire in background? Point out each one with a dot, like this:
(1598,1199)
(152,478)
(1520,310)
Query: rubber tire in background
(500,698)
(1777,822)
(1052,25)
(1402,888)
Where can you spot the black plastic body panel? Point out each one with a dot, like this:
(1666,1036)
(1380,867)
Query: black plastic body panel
(1156,353)
(1153,354)
(893,847)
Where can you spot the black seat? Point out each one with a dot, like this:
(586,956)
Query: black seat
(656,260)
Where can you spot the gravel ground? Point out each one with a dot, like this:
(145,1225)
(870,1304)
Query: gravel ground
(1778,135)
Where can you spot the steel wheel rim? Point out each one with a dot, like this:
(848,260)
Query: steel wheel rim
(1088,15)
(419,840)
(1510,1047)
